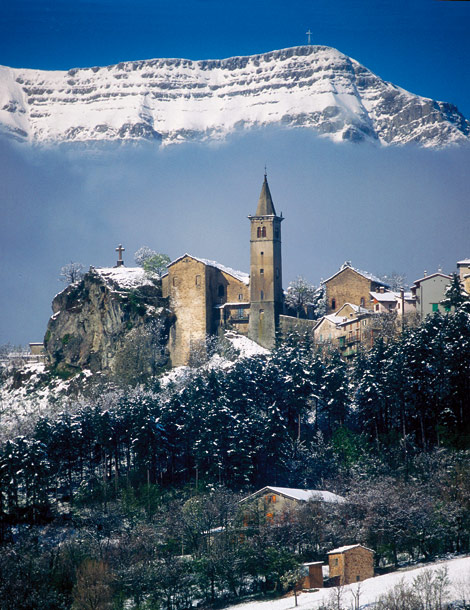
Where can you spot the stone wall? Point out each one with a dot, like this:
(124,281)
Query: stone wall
(353,565)
(348,286)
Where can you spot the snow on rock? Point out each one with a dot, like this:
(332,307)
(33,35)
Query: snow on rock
(124,277)
(175,100)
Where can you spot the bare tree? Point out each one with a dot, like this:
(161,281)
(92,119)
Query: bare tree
(71,273)
(93,590)
(299,294)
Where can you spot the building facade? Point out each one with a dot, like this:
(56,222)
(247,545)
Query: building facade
(350,285)
(350,564)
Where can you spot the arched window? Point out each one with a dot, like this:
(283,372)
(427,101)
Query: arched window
(258,232)
(333,304)
(363,302)
(220,290)
(263,232)
(262,296)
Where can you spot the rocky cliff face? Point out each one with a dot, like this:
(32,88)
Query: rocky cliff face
(98,321)
(174,100)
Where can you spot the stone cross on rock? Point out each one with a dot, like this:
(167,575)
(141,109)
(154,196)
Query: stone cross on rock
(120,250)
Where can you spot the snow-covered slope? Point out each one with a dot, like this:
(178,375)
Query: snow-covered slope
(458,572)
(173,100)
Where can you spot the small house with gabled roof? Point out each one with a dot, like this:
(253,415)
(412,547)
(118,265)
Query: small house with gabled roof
(348,564)
(429,291)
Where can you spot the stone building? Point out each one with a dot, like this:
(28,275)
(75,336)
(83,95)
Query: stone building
(205,295)
(271,503)
(350,564)
(350,285)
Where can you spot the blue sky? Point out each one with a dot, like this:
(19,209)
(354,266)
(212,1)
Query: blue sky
(385,209)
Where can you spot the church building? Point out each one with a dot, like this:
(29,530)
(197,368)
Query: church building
(206,296)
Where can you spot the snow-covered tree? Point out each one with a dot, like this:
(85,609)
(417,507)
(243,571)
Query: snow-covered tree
(455,294)
(154,263)
(71,273)
(395,280)
(299,294)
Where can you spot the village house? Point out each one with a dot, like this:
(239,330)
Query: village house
(387,301)
(348,564)
(271,503)
(350,285)
(429,292)
(347,329)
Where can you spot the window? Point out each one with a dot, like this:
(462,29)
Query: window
(333,303)
(198,280)
(262,253)
(263,232)
(240,313)
(261,296)
(435,306)
(377,307)
(363,302)
(258,232)
(261,271)
(240,297)
(175,281)
(269,517)
(220,290)
(273,499)
(336,561)
(358,578)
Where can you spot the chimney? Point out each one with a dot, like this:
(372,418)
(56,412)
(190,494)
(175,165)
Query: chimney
(425,273)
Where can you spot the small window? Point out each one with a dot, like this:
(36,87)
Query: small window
(358,578)
(261,271)
(377,307)
(333,303)
(258,232)
(336,561)
(261,296)
(240,297)
(175,281)
(273,499)
(262,253)
(435,306)
(263,232)
(363,302)
(198,280)
(269,517)
(221,290)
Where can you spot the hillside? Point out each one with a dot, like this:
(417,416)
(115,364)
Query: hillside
(176,100)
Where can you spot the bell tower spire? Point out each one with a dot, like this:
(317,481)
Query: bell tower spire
(266,296)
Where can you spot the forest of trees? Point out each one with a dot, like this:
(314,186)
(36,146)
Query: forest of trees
(116,497)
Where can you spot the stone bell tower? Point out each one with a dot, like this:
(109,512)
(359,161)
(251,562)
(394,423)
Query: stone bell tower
(266,296)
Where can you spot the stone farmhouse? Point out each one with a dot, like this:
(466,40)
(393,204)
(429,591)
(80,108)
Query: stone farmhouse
(464,273)
(350,564)
(273,503)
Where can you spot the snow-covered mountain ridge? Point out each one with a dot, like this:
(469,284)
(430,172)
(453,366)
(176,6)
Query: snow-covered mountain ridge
(174,100)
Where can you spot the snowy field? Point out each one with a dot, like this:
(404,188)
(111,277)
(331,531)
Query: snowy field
(371,589)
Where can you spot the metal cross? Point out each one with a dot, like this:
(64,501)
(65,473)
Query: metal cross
(309,33)
(120,250)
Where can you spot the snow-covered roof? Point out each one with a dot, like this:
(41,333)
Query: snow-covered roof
(245,346)
(238,275)
(124,277)
(384,297)
(366,274)
(302,495)
(355,308)
(466,261)
(342,549)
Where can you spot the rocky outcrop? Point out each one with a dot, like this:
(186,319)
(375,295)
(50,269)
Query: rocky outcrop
(95,318)
(175,100)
